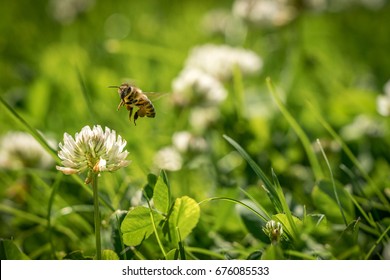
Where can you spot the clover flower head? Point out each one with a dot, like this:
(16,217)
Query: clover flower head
(219,61)
(362,126)
(20,150)
(195,87)
(92,150)
(383,101)
(168,158)
(185,141)
(274,230)
(265,12)
(223,22)
(66,11)
(202,118)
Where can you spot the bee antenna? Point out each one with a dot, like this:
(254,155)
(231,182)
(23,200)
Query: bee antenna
(113,86)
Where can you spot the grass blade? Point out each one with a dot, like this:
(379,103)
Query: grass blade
(267,183)
(333,183)
(351,156)
(32,130)
(298,130)
(236,202)
(285,207)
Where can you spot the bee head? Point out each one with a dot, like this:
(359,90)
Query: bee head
(123,90)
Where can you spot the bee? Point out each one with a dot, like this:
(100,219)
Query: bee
(131,97)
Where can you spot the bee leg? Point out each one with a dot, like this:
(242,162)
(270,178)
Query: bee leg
(120,104)
(130,113)
(135,117)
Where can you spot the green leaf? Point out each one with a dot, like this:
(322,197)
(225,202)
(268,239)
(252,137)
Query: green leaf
(109,255)
(9,251)
(138,226)
(183,218)
(346,245)
(316,225)
(161,196)
(173,254)
(273,252)
(76,255)
(325,200)
(149,187)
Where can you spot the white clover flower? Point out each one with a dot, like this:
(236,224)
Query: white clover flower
(316,5)
(202,117)
(383,105)
(185,141)
(65,11)
(383,101)
(219,61)
(168,158)
(21,150)
(386,251)
(274,230)
(362,126)
(223,22)
(193,86)
(265,12)
(92,150)
(373,4)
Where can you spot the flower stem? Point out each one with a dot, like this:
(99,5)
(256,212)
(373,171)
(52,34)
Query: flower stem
(96,215)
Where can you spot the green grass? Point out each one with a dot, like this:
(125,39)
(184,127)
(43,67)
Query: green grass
(280,148)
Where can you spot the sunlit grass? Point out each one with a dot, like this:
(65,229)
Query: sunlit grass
(239,151)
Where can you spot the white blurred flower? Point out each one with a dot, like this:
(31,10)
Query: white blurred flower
(373,4)
(362,125)
(223,22)
(92,150)
(383,105)
(386,251)
(316,5)
(274,230)
(168,158)
(185,141)
(265,12)
(194,86)
(138,198)
(386,88)
(383,101)
(65,11)
(20,150)
(202,117)
(220,60)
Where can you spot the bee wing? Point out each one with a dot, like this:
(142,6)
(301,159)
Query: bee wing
(153,96)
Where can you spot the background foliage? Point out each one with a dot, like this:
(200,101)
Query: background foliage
(326,69)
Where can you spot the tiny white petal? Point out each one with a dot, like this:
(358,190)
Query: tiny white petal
(67,170)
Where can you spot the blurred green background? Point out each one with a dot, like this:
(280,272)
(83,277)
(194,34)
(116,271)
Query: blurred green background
(58,58)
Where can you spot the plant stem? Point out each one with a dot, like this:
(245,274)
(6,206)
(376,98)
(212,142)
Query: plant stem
(155,231)
(96,215)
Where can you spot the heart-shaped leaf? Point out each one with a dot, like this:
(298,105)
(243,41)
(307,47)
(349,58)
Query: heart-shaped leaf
(138,226)
(183,217)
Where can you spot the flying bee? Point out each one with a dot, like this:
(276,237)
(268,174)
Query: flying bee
(131,97)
